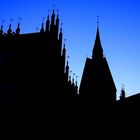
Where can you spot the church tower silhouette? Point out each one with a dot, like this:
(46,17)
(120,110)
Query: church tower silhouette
(97,83)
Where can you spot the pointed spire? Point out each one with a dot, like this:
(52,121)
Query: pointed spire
(73,79)
(48,23)
(53,18)
(57,18)
(64,48)
(97,50)
(18,29)
(70,77)
(67,70)
(9,32)
(60,35)
(42,28)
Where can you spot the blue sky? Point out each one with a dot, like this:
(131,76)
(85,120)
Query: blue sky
(119,30)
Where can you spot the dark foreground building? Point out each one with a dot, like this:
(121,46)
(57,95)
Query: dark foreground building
(39,98)
(33,66)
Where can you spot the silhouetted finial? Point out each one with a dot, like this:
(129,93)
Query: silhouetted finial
(65,40)
(37,29)
(53,6)
(98,20)
(57,11)
(73,75)
(19,19)
(43,19)
(68,58)
(2,22)
(61,24)
(11,20)
(76,80)
(70,72)
(123,87)
(48,11)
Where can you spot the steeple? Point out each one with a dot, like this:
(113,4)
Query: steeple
(97,49)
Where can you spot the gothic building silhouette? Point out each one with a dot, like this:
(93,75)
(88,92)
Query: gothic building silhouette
(34,70)
(34,65)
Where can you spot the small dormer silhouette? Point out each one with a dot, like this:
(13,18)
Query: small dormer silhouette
(9,32)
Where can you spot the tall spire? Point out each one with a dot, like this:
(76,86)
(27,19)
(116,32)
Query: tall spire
(97,50)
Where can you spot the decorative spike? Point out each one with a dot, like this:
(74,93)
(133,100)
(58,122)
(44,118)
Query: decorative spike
(98,20)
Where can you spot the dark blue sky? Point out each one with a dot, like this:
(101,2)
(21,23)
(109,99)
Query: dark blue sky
(119,30)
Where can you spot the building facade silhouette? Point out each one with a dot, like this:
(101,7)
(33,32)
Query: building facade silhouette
(34,71)
(33,66)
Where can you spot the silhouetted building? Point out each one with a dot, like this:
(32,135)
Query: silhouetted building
(97,83)
(32,66)
(34,71)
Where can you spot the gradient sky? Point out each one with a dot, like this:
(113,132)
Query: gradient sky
(119,30)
